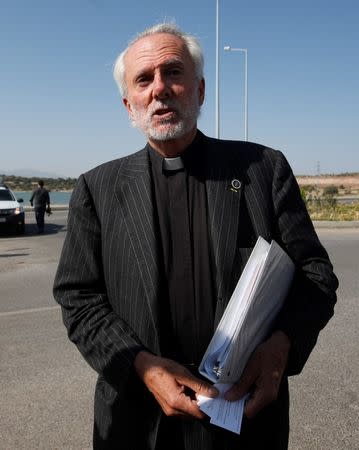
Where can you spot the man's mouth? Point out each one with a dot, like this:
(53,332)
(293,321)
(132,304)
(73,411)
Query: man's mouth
(164,113)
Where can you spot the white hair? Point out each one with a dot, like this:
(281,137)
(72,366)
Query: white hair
(191,42)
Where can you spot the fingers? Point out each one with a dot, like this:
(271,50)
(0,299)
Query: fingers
(178,404)
(198,386)
(246,382)
(264,393)
(264,390)
(169,383)
(263,374)
(192,386)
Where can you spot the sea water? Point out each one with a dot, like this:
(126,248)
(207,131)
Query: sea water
(56,197)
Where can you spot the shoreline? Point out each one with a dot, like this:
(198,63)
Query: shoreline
(54,190)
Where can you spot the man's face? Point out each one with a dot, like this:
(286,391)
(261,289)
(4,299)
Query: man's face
(163,94)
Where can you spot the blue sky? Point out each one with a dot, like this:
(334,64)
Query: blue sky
(60,110)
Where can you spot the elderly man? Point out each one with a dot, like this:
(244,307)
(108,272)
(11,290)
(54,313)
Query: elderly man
(156,242)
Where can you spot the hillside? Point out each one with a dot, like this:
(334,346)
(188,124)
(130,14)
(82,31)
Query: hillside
(17,183)
(350,180)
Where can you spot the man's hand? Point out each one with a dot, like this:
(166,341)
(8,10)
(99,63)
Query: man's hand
(263,374)
(172,385)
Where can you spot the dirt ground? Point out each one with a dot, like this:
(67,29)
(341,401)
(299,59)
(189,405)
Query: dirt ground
(350,181)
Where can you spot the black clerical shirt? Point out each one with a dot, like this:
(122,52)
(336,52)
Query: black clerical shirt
(187,302)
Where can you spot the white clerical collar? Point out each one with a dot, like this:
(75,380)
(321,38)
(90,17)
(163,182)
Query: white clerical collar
(172,164)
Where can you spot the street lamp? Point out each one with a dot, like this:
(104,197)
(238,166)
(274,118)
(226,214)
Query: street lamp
(217,69)
(244,50)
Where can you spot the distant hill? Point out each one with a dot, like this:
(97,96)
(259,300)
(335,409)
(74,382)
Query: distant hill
(29,173)
(345,180)
(19,183)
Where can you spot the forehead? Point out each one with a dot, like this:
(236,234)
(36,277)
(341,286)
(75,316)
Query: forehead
(155,50)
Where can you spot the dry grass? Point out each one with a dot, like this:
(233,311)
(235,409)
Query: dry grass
(322,210)
(343,206)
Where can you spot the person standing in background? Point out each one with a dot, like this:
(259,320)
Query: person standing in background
(40,200)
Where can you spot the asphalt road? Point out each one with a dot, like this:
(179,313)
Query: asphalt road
(47,389)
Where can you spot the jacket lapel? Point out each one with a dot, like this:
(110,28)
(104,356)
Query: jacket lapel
(134,191)
(224,191)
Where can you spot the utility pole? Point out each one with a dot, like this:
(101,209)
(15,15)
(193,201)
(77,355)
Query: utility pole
(318,168)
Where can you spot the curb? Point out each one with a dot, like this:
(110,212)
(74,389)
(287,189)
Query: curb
(335,224)
(316,223)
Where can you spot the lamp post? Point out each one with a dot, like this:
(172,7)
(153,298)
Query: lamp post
(217,69)
(243,50)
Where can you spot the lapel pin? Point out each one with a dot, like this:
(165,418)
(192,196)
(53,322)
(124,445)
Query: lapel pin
(235,185)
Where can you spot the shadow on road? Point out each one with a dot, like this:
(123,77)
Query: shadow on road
(50,228)
(31,230)
(9,255)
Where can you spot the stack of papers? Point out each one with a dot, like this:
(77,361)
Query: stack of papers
(250,313)
(246,322)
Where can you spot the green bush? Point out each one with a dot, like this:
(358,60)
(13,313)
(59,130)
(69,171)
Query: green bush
(329,191)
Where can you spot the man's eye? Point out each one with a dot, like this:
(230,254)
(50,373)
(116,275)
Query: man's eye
(143,80)
(174,72)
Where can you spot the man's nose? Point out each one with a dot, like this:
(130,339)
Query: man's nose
(161,88)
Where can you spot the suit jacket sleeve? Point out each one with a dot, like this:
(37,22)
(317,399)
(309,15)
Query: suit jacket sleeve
(107,343)
(310,303)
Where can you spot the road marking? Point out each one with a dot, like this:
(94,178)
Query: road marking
(27,311)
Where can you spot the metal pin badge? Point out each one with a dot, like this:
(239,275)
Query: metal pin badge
(235,185)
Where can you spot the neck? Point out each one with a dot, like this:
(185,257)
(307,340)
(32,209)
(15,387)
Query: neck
(173,147)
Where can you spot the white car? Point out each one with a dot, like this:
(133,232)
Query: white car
(12,214)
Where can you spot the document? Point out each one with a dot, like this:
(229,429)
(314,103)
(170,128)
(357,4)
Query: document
(250,313)
(223,413)
(246,322)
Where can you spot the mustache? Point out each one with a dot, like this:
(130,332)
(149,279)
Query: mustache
(163,104)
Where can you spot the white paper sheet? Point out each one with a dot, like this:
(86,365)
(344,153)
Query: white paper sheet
(223,413)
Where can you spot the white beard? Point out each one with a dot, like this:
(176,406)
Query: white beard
(168,128)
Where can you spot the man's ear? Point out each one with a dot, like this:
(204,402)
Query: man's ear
(201,91)
(127,106)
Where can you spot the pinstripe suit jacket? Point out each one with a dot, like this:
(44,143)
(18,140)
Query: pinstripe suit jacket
(109,272)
